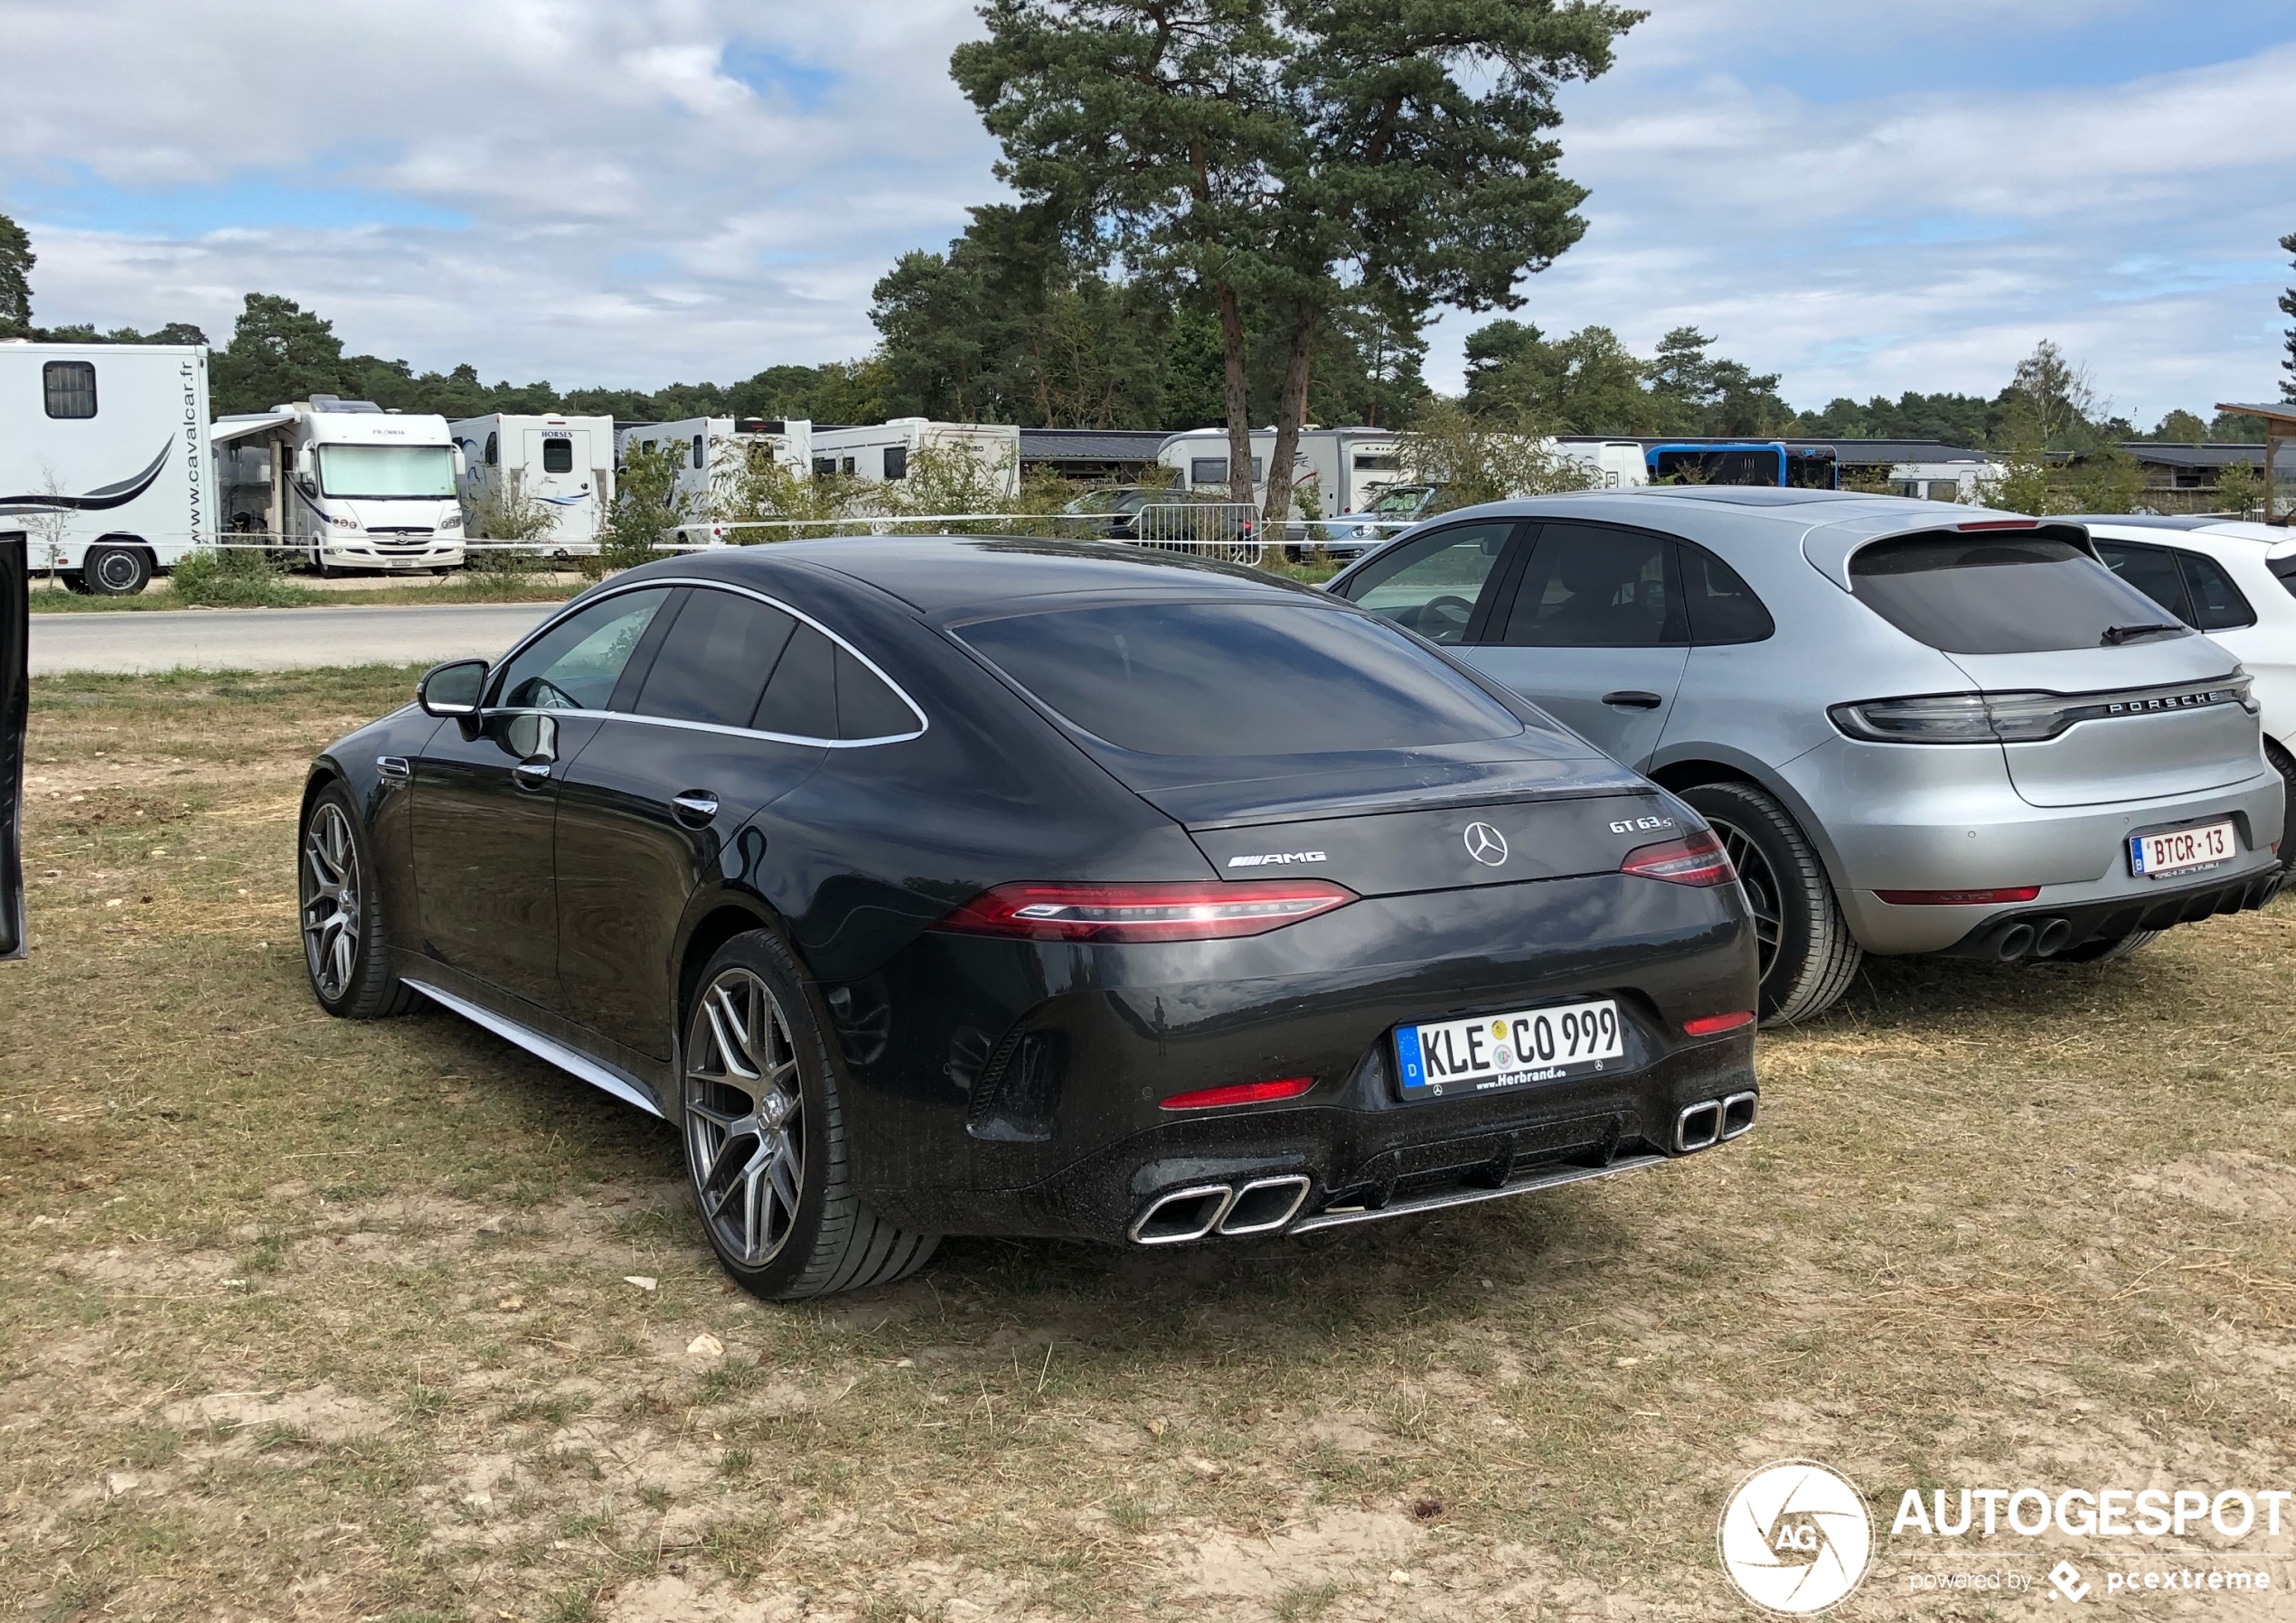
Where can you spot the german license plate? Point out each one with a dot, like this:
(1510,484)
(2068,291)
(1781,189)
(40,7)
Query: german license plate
(2181,851)
(1490,1052)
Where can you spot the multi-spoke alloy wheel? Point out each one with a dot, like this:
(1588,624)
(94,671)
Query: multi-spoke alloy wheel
(332,921)
(1761,884)
(745,1117)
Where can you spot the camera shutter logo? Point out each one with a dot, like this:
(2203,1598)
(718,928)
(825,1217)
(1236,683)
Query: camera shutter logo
(1795,1537)
(1486,844)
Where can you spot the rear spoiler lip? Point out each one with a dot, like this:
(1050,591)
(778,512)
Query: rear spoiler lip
(1831,547)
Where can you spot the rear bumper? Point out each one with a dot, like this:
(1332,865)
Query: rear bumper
(2049,931)
(1017,1087)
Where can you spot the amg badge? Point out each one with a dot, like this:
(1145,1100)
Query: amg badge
(1276,860)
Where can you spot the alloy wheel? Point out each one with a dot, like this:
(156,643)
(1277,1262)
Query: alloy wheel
(330,901)
(1762,899)
(745,1117)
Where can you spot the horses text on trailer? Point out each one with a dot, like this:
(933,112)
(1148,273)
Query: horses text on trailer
(564,463)
(103,458)
(345,483)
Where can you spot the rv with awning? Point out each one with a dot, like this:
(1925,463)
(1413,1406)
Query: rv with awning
(344,484)
(103,458)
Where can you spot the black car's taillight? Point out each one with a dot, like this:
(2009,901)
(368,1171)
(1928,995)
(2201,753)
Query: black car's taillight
(1696,858)
(1145,913)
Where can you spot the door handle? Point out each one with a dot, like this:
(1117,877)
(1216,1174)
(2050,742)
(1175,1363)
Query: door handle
(1634,698)
(696,807)
(394,769)
(530,774)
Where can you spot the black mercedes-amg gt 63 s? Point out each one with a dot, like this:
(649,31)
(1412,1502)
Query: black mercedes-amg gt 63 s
(982,887)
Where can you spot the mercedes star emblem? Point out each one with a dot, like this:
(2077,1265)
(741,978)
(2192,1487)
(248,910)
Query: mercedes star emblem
(1486,844)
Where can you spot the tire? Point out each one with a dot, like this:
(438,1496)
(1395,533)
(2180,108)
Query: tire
(768,1163)
(345,952)
(1808,957)
(114,571)
(2285,764)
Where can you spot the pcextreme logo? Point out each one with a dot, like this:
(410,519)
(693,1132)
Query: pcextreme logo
(1795,1537)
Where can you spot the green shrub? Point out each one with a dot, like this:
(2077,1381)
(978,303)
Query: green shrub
(235,577)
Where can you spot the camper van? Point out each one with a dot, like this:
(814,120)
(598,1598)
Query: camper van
(1333,470)
(712,449)
(103,458)
(344,484)
(1972,484)
(564,463)
(881,451)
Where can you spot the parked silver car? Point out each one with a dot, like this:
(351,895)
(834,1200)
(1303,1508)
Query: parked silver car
(1917,729)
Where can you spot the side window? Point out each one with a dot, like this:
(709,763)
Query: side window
(801,699)
(575,664)
(697,452)
(866,707)
(1721,607)
(1432,584)
(2284,571)
(558,456)
(1587,586)
(896,462)
(2218,604)
(494,450)
(823,466)
(1213,470)
(69,387)
(715,660)
(2152,571)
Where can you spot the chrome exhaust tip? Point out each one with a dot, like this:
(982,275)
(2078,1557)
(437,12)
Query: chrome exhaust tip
(2052,937)
(2016,942)
(1699,1126)
(1184,1214)
(1265,1205)
(1738,1115)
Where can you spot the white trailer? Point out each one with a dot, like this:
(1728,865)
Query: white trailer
(1334,471)
(1972,482)
(1609,464)
(713,449)
(881,451)
(352,486)
(564,463)
(104,458)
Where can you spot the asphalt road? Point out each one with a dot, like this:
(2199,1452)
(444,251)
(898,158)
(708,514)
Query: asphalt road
(277,639)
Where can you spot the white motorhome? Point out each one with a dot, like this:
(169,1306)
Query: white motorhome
(1972,482)
(1609,464)
(103,458)
(564,463)
(712,448)
(881,451)
(1334,470)
(345,483)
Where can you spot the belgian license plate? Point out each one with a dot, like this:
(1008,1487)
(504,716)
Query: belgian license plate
(1490,1052)
(2181,851)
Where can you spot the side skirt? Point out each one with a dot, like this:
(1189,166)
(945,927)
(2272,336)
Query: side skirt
(572,1061)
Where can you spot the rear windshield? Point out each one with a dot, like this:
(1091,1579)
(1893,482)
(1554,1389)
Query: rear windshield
(1993,593)
(1238,678)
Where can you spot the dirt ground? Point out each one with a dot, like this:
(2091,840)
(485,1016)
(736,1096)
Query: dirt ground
(305,1319)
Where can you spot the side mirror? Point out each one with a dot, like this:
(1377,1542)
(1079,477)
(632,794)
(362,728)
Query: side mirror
(452,689)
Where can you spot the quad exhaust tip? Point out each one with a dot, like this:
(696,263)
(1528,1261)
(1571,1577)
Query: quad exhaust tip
(1712,1122)
(1260,1206)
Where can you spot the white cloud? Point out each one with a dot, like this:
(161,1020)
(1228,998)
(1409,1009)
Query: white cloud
(631,192)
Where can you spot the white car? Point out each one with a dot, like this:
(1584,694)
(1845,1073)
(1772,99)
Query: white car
(2236,582)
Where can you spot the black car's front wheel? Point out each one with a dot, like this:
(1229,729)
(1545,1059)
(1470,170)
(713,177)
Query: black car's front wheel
(341,914)
(765,1140)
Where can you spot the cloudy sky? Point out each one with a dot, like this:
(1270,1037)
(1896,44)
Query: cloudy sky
(1865,197)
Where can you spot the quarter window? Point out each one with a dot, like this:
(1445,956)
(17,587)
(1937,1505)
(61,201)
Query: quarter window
(801,698)
(715,660)
(70,387)
(575,664)
(558,456)
(1587,586)
(2151,571)
(1431,585)
(866,707)
(1722,607)
(2218,604)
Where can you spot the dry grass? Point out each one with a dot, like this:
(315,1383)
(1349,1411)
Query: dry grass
(311,1319)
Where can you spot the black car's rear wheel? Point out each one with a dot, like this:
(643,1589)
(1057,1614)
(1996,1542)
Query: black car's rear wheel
(343,948)
(1805,952)
(765,1138)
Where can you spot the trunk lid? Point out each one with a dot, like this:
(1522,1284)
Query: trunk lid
(2165,744)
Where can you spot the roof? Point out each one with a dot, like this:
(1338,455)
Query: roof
(2216,454)
(2279,412)
(1090,445)
(1855,452)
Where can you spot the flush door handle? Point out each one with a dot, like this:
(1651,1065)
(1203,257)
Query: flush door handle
(696,807)
(530,774)
(1634,698)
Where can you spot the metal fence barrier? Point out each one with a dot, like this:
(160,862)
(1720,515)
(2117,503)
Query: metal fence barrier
(1226,530)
